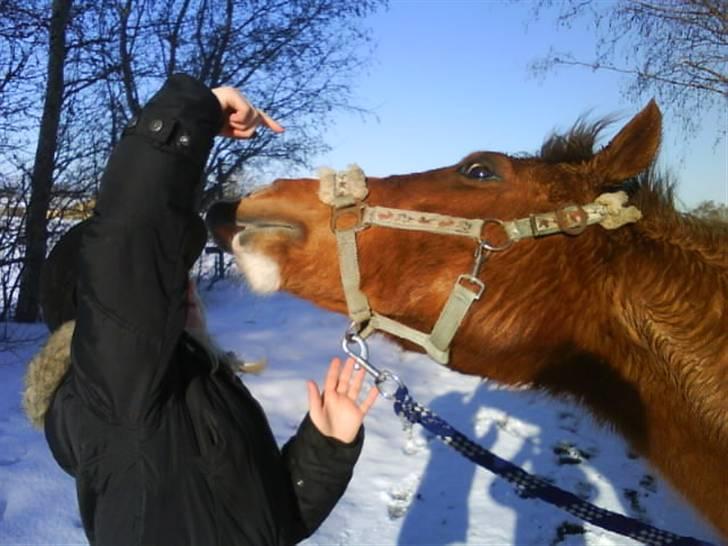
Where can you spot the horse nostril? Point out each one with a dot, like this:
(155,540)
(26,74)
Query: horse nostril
(220,220)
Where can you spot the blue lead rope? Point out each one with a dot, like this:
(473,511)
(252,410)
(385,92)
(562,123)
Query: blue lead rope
(530,486)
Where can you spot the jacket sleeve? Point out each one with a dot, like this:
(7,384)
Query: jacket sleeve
(320,468)
(132,271)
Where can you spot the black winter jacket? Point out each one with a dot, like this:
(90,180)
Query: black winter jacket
(164,449)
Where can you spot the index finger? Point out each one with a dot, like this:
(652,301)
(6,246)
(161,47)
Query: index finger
(269,122)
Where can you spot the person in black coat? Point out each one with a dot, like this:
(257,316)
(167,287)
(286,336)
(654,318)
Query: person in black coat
(166,445)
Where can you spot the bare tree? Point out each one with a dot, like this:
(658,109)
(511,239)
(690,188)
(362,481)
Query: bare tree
(20,32)
(710,210)
(44,164)
(104,58)
(12,218)
(674,50)
(293,58)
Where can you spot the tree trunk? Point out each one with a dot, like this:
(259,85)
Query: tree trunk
(36,221)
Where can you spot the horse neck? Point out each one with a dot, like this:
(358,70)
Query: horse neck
(670,301)
(665,339)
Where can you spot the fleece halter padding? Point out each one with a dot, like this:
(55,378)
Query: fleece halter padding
(343,187)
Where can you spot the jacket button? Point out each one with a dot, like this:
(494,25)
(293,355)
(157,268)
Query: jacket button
(156,125)
(184,140)
(299,483)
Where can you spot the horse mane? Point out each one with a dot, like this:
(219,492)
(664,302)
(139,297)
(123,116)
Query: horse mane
(695,246)
(576,145)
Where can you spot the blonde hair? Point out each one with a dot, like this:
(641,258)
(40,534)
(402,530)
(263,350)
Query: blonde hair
(215,353)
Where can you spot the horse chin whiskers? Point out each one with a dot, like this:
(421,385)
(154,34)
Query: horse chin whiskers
(261,271)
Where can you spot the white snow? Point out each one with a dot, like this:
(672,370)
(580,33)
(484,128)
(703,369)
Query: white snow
(408,488)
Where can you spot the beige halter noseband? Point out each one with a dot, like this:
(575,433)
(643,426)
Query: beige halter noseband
(346,191)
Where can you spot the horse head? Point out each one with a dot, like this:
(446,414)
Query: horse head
(282,238)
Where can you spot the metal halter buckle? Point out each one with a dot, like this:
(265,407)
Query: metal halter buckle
(565,217)
(469,281)
(357,210)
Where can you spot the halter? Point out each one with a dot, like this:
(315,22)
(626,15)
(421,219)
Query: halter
(345,192)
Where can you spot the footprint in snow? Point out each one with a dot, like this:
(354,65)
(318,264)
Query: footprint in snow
(636,508)
(568,421)
(648,483)
(568,453)
(585,491)
(565,530)
(401,497)
(415,443)
(344,537)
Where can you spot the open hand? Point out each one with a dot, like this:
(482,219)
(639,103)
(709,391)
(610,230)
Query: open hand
(241,117)
(337,412)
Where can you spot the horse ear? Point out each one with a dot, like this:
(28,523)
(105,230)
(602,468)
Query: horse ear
(633,149)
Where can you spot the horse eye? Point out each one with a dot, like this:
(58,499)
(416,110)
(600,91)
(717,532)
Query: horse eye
(478,171)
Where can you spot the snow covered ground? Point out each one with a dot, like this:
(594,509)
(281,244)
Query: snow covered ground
(408,488)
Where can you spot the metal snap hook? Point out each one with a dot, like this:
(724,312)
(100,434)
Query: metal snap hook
(386,382)
(362,357)
(481,255)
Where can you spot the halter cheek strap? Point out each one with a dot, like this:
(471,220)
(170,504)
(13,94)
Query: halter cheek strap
(345,192)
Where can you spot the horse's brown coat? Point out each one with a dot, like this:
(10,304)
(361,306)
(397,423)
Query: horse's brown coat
(632,323)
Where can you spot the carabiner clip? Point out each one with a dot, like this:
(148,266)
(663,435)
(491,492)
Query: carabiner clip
(361,359)
(386,382)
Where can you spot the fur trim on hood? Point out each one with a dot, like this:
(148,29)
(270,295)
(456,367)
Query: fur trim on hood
(48,367)
(45,372)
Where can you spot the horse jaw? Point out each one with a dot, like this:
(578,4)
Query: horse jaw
(262,272)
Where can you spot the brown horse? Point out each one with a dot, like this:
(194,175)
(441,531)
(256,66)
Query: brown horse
(631,322)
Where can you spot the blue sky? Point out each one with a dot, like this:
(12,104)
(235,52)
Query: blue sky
(451,77)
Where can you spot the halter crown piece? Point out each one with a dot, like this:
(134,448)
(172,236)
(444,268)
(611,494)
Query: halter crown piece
(345,192)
